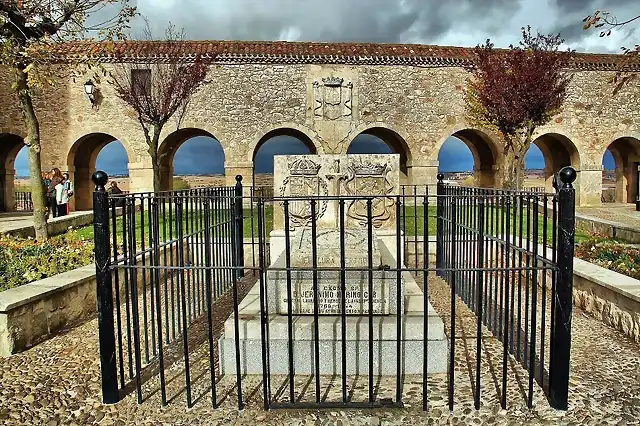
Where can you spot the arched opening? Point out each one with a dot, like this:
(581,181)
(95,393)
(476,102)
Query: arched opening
(620,171)
(482,151)
(455,161)
(191,152)
(277,142)
(379,140)
(558,152)
(10,146)
(113,160)
(82,163)
(534,169)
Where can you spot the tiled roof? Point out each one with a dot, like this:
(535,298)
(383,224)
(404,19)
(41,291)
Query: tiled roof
(281,52)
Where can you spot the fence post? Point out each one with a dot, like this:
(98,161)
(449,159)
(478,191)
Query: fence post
(439,226)
(238,217)
(106,331)
(561,343)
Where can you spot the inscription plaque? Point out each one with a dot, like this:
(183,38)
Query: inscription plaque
(330,300)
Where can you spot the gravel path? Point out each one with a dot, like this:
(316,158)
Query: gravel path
(58,382)
(625,214)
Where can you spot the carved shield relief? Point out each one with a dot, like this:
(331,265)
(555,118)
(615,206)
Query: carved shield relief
(303,181)
(368,179)
(332,99)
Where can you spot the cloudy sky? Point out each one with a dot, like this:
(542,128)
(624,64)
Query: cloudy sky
(460,22)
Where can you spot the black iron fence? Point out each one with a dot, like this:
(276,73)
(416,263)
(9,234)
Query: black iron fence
(186,272)
(23,201)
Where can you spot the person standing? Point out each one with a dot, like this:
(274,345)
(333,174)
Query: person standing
(115,192)
(52,196)
(62,198)
(68,186)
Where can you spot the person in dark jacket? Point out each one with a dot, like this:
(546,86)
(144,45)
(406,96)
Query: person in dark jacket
(116,192)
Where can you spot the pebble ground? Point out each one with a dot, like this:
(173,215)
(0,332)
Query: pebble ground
(58,383)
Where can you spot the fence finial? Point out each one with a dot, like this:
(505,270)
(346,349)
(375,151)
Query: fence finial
(567,175)
(440,177)
(238,178)
(100,179)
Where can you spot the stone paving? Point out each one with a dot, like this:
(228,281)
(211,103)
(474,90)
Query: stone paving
(58,382)
(18,221)
(625,214)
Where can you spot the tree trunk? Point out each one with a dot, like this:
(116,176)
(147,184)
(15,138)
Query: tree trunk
(32,141)
(514,156)
(153,141)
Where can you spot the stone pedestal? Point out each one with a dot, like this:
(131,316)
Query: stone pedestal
(330,341)
(329,285)
(297,294)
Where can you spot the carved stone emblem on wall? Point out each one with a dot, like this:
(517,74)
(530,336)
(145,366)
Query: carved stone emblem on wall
(303,181)
(332,98)
(368,178)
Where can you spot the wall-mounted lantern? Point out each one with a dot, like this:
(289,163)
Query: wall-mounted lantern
(89,89)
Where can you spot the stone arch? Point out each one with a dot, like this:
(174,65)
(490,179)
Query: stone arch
(81,164)
(558,151)
(484,151)
(169,146)
(394,139)
(297,132)
(301,133)
(626,154)
(10,146)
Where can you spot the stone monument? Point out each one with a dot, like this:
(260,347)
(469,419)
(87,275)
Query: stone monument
(297,178)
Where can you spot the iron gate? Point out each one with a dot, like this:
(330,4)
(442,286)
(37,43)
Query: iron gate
(186,275)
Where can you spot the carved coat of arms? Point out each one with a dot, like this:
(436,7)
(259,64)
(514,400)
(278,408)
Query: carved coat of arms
(332,98)
(370,179)
(303,181)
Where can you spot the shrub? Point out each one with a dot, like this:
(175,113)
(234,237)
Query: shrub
(179,184)
(612,255)
(25,260)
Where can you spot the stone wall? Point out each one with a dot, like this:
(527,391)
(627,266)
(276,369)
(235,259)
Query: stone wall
(413,109)
(608,296)
(41,309)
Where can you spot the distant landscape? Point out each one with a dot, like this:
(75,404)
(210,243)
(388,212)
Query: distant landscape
(534,178)
(204,156)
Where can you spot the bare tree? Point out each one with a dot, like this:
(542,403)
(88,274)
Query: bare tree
(158,91)
(516,90)
(29,32)
(605,23)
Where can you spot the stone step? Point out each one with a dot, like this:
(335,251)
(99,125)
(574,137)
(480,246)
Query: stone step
(330,360)
(330,327)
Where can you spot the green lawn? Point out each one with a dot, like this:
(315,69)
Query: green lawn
(412,222)
(23,260)
(191,222)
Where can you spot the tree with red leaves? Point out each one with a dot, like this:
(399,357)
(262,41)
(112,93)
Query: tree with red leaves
(605,22)
(30,33)
(514,91)
(157,91)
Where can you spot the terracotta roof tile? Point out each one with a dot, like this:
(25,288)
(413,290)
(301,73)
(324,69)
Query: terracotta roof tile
(302,52)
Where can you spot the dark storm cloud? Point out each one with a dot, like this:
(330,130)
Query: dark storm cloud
(571,13)
(590,6)
(328,20)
